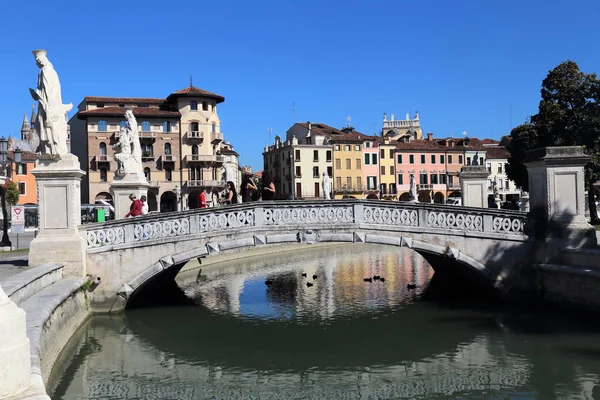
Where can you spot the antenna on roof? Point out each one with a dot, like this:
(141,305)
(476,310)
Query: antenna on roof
(270,130)
(190,80)
(348,118)
(294,111)
(510,115)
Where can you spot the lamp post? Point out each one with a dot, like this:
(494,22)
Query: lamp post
(4,164)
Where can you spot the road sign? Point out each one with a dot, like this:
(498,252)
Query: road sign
(17,219)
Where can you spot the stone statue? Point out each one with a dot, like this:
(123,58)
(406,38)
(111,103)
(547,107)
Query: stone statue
(132,127)
(51,119)
(128,153)
(228,174)
(413,189)
(326,185)
(475,159)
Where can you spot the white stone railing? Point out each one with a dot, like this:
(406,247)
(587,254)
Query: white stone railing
(331,215)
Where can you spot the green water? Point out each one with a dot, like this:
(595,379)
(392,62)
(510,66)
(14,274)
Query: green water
(342,338)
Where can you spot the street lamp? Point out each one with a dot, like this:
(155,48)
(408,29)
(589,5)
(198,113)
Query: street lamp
(4,164)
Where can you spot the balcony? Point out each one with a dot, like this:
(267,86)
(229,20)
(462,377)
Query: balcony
(425,186)
(198,158)
(148,158)
(195,135)
(167,158)
(453,186)
(103,158)
(349,188)
(205,183)
(216,137)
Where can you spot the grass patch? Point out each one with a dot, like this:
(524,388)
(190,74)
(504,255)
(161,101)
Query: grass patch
(86,285)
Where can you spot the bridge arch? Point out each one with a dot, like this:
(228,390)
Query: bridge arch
(130,254)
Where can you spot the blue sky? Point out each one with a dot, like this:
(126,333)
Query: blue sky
(462,64)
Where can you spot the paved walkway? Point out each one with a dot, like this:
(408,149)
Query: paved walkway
(13,262)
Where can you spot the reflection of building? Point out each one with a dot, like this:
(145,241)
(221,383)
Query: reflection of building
(181,143)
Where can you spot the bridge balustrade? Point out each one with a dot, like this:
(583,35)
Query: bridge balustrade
(331,215)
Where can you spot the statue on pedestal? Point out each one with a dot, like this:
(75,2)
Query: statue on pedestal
(326,185)
(414,196)
(128,153)
(52,113)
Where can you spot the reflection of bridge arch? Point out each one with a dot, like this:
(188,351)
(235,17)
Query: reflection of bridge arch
(128,254)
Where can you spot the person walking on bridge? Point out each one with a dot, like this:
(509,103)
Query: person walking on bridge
(135,209)
(202,198)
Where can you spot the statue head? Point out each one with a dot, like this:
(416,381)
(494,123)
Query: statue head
(129,114)
(40,57)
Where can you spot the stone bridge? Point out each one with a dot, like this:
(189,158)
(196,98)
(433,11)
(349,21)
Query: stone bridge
(129,254)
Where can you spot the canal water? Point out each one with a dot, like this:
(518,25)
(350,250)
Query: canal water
(254,329)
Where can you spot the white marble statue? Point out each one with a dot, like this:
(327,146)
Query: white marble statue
(132,127)
(52,113)
(326,185)
(414,196)
(228,174)
(128,153)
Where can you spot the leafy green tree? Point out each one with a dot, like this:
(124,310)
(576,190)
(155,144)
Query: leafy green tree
(568,114)
(12,193)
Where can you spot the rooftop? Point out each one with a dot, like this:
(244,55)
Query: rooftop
(194,91)
(120,112)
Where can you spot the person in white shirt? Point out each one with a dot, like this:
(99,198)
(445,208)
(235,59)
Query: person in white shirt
(144,205)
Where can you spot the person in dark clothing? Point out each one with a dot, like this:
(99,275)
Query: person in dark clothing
(231,195)
(247,189)
(268,191)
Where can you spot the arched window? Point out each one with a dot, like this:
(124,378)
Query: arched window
(194,127)
(147,174)
(103,175)
(193,105)
(102,148)
(102,127)
(195,150)
(166,127)
(214,127)
(146,126)
(168,174)
(167,149)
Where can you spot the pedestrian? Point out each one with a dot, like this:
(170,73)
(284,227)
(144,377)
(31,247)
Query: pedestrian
(145,208)
(231,195)
(247,189)
(202,198)
(135,209)
(268,191)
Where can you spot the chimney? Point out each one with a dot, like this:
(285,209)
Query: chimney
(429,137)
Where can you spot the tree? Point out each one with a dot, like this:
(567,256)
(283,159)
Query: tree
(568,114)
(12,193)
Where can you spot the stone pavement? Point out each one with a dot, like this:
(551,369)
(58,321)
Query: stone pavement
(13,262)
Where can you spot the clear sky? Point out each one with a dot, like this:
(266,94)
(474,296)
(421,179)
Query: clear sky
(464,65)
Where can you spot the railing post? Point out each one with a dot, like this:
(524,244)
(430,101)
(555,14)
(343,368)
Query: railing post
(488,223)
(422,212)
(259,216)
(194,223)
(358,214)
(129,232)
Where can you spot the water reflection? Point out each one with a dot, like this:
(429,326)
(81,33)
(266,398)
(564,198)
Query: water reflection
(341,338)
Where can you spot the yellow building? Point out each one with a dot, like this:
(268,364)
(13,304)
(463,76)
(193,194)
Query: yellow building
(348,163)
(387,169)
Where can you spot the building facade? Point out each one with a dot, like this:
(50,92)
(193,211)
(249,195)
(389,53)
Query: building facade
(180,139)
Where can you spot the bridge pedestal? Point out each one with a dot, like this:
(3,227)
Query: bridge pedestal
(59,203)
(557,196)
(121,188)
(473,185)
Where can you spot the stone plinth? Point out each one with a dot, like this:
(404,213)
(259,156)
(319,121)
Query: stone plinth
(15,361)
(59,205)
(122,187)
(473,186)
(557,194)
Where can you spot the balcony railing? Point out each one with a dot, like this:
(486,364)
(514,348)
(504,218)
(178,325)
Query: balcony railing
(195,135)
(168,158)
(348,188)
(204,158)
(206,183)
(216,137)
(148,158)
(103,158)
(453,186)
(424,186)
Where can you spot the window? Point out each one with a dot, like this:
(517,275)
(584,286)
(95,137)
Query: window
(338,182)
(468,160)
(371,182)
(204,106)
(143,105)
(399,158)
(147,150)
(298,172)
(433,158)
(347,147)
(22,188)
(193,105)
(214,128)
(422,158)
(315,155)
(393,188)
(102,148)
(103,175)
(297,155)
(166,127)
(147,174)
(168,174)
(357,147)
(442,161)
(358,166)
(382,170)
(167,149)
(359,183)
(21,169)
(330,171)
(102,126)
(367,159)
(443,179)
(348,163)
(338,163)
(411,159)
(449,158)
(381,154)
(499,168)
(100,105)
(382,188)
(367,144)
(123,124)
(460,159)
(423,179)
(195,150)
(145,126)
(434,179)
(328,156)
(374,158)
(391,170)
(348,182)
(400,179)
(337,147)
(122,105)
(315,172)
(481,160)
(391,154)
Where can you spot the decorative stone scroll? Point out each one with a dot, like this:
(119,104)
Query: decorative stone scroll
(161,229)
(455,221)
(105,237)
(391,216)
(511,225)
(224,220)
(308,215)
